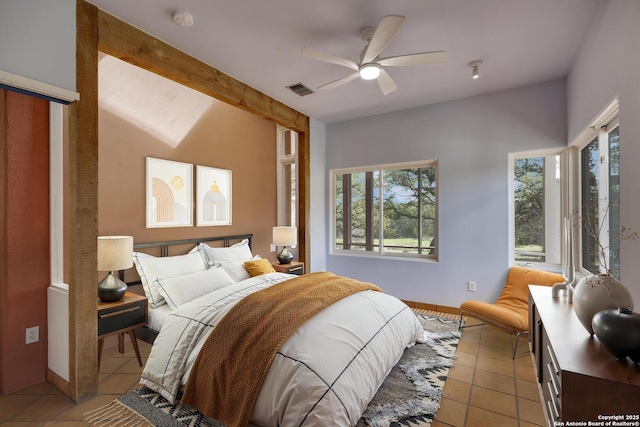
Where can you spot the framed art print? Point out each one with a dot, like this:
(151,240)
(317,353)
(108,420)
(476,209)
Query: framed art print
(213,196)
(169,193)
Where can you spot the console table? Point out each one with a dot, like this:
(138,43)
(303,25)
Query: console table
(578,379)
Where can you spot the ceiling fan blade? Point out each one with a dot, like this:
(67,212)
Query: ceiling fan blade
(424,58)
(339,82)
(386,83)
(386,30)
(325,57)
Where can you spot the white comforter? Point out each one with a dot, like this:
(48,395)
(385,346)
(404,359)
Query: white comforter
(324,374)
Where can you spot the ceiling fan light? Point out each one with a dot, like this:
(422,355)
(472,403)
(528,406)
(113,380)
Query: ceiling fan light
(369,71)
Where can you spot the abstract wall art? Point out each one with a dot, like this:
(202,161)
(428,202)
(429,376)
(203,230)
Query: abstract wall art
(169,193)
(213,196)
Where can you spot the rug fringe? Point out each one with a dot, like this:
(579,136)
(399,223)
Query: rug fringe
(115,414)
(438,314)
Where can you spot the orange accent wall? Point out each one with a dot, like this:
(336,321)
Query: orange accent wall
(225,137)
(24,231)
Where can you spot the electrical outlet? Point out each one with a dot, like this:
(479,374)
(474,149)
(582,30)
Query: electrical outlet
(33,334)
(472,286)
(272,247)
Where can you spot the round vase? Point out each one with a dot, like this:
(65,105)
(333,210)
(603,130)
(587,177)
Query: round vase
(599,292)
(111,289)
(619,332)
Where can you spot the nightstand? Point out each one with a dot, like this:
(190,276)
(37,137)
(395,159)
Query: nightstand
(121,317)
(295,267)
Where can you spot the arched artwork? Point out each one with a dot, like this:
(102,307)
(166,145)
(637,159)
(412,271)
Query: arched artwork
(213,194)
(169,193)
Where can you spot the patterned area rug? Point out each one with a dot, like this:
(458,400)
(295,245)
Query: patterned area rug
(409,396)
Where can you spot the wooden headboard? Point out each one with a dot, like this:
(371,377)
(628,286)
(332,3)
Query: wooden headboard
(164,246)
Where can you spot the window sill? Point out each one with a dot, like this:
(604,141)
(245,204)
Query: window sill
(553,268)
(412,258)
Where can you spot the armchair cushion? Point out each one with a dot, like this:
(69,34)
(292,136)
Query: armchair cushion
(511,310)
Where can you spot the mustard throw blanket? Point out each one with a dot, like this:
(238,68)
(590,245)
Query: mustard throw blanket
(228,373)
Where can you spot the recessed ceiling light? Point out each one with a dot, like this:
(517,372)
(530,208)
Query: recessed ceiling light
(183,18)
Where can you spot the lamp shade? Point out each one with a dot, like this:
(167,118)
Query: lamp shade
(285,236)
(115,253)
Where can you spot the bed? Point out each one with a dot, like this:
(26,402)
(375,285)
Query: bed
(322,372)
(158,315)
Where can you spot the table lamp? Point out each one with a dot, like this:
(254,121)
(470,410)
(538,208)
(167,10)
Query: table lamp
(114,253)
(285,236)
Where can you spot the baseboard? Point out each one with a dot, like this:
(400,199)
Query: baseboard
(433,307)
(57,381)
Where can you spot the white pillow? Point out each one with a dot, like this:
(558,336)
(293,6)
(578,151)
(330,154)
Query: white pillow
(150,267)
(236,252)
(182,289)
(236,269)
(200,248)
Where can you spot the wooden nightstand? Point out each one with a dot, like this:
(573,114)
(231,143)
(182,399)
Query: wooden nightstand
(121,317)
(295,267)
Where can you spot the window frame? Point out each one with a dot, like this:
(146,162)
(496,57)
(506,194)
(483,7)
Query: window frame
(56,194)
(283,190)
(599,130)
(562,209)
(381,253)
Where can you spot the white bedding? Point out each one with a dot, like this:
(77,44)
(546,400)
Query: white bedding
(324,374)
(157,316)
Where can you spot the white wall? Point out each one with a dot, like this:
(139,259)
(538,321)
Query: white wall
(38,40)
(318,189)
(608,65)
(471,139)
(58,326)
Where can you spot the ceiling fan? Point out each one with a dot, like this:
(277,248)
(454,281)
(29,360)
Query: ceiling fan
(371,65)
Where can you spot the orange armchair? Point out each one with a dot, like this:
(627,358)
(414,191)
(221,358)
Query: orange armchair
(510,312)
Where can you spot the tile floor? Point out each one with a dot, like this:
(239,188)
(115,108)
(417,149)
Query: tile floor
(43,405)
(485,388)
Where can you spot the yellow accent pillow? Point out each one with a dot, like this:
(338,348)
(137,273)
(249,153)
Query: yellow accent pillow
(258,267)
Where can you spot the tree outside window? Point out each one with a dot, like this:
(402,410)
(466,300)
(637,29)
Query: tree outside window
(536,207)
(387,210)
(529,209)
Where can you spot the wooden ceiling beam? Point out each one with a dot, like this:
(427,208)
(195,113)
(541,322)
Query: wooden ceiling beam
(123,41)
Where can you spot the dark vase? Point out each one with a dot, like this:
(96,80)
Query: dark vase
(111,289)
(619,332)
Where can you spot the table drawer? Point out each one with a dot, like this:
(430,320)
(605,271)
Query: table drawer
(298,270)
(113,319)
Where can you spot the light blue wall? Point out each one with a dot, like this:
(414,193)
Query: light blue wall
(608,66)
(38,40)
(471,139)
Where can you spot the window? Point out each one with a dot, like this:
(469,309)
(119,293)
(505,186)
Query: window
(600,200)
(536,207)
(286,176)
(386,210)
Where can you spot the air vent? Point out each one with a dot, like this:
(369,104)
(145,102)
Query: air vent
(300,89)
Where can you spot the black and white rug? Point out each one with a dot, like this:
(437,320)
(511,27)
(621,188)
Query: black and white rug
(409,396)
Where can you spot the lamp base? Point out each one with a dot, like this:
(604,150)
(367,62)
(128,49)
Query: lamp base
(285,257)
(111,289)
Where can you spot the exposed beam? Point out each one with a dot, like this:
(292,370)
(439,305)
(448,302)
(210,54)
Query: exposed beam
(123,41)
(83,210)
